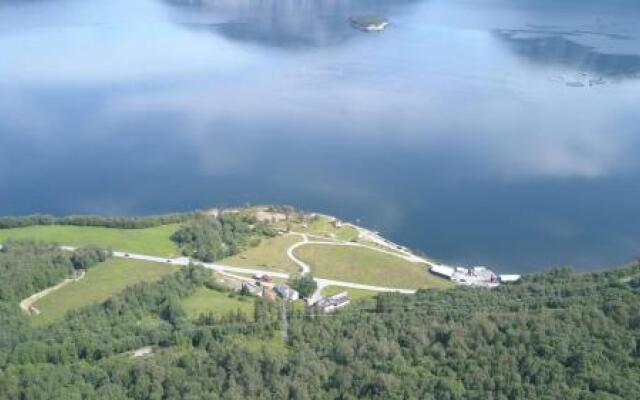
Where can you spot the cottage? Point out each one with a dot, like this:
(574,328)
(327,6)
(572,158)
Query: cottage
(332,303)
(286,292)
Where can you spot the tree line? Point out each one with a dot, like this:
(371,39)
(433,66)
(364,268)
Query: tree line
(96,220)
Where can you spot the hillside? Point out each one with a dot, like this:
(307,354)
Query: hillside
(556,334)
(273,240)
(140,327)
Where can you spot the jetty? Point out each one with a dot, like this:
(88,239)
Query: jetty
(473,276)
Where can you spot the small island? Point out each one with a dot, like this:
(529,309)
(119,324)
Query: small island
(369,23)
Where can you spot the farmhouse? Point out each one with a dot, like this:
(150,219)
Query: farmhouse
(286,292)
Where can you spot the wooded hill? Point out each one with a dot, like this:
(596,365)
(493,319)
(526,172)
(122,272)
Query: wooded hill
(558,334)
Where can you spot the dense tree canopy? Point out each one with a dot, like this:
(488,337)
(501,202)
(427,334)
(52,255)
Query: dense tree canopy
(87,257)
(554,335)
(209,238)
(27,267)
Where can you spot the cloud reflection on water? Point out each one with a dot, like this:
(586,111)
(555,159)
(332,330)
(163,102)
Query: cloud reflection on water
(284,23)
(394,128)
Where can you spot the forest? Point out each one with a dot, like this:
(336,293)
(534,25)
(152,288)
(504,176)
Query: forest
(209,238)
(557,334)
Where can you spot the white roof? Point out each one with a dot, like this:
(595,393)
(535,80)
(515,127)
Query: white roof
(442,270)
(509,278)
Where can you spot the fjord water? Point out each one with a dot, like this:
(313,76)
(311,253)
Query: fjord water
(492,132)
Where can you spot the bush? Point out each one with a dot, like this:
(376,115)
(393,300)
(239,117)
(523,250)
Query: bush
(87,257)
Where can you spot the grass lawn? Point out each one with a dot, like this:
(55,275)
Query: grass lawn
(323,227)
(152,241)
(362,265)
(270,254)
(356,294)
(347,233)
(100,282)
(219,303)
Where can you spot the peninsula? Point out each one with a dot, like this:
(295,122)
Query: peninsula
(236,303)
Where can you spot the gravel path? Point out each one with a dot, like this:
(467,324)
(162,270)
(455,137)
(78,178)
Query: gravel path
(27,304)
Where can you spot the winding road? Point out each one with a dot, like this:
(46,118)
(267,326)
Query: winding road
(27,304)
(184,261)
(304,267)
(322,283)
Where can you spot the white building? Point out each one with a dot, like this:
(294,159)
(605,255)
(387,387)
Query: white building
(286,292)
(473,276)
(504,278)
(442,270)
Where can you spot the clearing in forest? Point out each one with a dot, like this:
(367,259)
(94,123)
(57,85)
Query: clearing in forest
(206,300)
(100,282)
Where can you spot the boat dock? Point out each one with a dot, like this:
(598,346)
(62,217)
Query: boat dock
(473,276)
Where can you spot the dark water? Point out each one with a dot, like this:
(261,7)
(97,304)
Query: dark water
(489,132)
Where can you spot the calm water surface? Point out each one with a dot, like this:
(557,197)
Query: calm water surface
(489,132)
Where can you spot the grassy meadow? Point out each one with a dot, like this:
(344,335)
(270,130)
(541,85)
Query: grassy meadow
(206,300)
(99,283)
(356,294)
(362,265)
(322,226)
(152,241)
(270,254)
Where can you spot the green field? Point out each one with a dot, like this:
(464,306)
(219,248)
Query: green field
(151,241)
(270,254)
(362,265)
(206,300)
(323,227)
(356,294)
(99,283)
